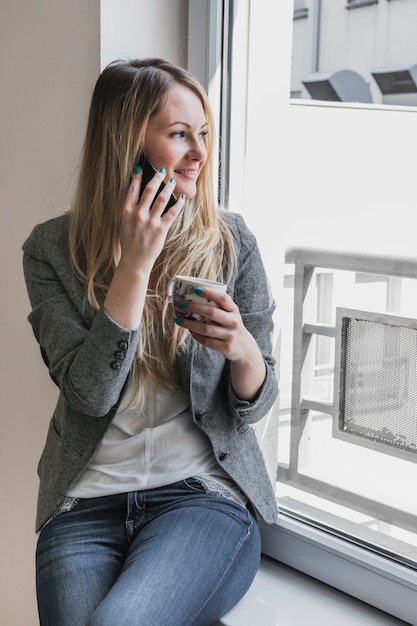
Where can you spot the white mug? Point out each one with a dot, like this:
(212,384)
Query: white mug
(182,289)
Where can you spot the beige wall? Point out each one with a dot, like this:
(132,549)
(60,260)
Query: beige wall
(50,58)
(139,28)
(50,55)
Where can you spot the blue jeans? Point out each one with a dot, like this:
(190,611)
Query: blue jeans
(173,556)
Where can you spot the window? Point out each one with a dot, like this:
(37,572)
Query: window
(347,460)
(298,183)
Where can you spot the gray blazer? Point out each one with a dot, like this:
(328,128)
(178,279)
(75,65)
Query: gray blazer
(89,357)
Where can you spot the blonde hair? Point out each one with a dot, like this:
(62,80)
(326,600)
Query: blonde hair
(127,94)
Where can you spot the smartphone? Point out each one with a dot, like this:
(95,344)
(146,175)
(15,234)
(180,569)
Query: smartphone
(148,172)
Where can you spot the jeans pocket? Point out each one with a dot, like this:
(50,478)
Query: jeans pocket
(195,485)
(213,488)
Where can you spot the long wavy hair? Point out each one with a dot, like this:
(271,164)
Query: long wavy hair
(126,96)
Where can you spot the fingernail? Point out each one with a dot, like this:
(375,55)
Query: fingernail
(138,169)
(172,180)
(183,196)
(198,290)
(179,321)
(183,305)
(162,170)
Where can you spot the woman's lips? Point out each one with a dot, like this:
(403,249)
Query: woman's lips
(187,173)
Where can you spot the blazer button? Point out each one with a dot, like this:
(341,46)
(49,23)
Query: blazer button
(123,345)
(115,365)
(223,456)
(119,355)
(201,416)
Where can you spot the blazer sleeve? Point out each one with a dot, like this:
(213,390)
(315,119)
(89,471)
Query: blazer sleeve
(253,296)
(89,356)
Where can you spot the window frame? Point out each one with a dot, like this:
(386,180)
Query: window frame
(359,572)
(210,25)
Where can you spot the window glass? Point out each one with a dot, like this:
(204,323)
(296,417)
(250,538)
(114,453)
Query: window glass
(339,177)
(366,55)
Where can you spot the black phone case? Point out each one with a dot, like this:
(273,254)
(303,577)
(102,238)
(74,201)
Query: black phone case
(148,172)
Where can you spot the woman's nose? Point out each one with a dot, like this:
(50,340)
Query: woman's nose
(197,149)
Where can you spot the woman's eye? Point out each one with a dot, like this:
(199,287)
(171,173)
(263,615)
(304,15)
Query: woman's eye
(181,134)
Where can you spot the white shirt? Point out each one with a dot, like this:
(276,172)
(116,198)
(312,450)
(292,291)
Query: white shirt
(157,446)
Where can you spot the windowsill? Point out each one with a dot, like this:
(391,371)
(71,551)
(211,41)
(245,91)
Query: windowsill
(364,577)
(309,102)
(284,596)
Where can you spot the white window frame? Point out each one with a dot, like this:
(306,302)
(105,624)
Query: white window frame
(357,571)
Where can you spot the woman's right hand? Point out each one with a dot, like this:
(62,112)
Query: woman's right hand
(144,229)
(143,232)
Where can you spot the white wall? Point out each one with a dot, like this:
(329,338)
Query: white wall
(51,57)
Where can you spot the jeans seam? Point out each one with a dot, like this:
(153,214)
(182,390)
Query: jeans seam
(226,571)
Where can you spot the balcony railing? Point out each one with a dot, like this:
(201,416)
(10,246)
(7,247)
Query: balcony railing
(366,459)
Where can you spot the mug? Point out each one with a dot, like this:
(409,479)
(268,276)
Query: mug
(182,289)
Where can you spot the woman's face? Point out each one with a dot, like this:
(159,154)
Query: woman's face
(174,139)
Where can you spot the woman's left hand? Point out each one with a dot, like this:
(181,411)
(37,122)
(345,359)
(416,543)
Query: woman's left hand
(225,332)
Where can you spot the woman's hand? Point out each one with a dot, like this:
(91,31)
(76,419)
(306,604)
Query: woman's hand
(144,229)
(143,232)
(226,333)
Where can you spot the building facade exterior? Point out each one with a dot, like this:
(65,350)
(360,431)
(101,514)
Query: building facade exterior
(355,50)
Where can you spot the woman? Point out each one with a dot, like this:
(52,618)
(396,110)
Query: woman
(151,478)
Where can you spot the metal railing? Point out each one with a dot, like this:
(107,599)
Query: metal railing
(306,262)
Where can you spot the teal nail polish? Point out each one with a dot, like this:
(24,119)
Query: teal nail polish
(162,170)
(179,321)
(183,305)
(198,290)
(138,169)
(172,180)
(183,196)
